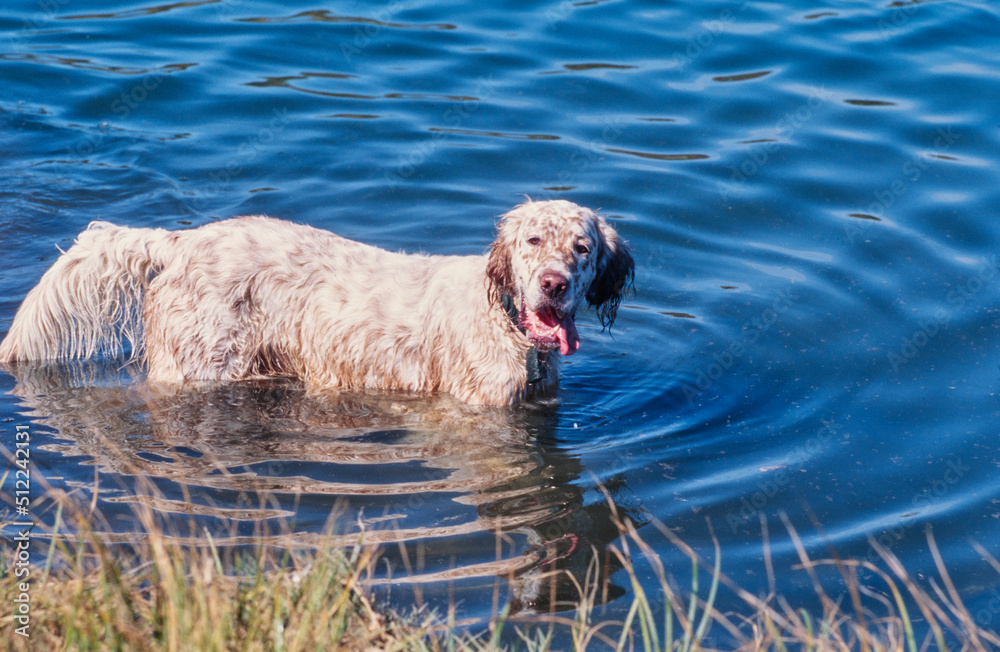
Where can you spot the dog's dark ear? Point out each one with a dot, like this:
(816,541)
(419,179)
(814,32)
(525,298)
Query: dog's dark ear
(616,276)
(498,265)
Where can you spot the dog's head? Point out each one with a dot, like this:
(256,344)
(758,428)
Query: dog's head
(550,256)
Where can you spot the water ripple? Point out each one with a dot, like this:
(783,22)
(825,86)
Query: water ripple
(808,192)
(325,16)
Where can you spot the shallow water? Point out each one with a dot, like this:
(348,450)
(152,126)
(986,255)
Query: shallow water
(810,191)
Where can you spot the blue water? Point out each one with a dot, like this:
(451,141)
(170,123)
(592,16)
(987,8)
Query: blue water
(810,191)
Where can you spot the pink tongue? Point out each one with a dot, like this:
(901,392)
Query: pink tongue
(545,325)
(569,339)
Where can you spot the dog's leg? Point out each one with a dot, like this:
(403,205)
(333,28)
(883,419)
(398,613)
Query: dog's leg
(191,333)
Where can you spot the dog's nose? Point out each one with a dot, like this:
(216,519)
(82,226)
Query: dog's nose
(554,284)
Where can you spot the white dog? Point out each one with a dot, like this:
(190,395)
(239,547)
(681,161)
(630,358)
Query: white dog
(255,296)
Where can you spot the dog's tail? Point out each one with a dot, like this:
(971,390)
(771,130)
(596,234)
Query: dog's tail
(91,297)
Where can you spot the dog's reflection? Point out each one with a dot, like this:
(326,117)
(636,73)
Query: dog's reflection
(436,483)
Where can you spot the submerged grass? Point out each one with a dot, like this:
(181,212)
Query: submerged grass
(159,594)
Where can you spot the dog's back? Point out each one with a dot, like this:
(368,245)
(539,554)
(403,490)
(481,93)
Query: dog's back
(255,296)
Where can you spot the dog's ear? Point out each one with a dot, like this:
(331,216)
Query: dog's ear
(498,266)
(615,277)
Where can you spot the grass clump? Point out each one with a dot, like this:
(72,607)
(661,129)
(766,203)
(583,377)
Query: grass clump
(161,595)
(169,593)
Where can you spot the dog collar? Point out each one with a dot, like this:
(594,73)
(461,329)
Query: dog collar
(532,363)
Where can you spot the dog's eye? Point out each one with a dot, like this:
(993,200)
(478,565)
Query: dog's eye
(582,249)
(534,240)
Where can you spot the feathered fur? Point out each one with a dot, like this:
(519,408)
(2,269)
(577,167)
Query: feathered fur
(255,296)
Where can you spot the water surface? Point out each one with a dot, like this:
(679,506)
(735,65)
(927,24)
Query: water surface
(810,191)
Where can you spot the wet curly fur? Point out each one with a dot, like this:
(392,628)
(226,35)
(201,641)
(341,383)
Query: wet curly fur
(255,296)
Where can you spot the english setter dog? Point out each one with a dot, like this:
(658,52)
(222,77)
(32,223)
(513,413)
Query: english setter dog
(255,296)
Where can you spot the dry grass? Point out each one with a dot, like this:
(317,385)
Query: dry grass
(158,594)
(772,623)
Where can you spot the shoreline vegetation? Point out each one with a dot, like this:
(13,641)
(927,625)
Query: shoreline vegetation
(158,592)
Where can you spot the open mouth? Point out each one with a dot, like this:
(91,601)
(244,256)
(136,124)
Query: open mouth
(549,330)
